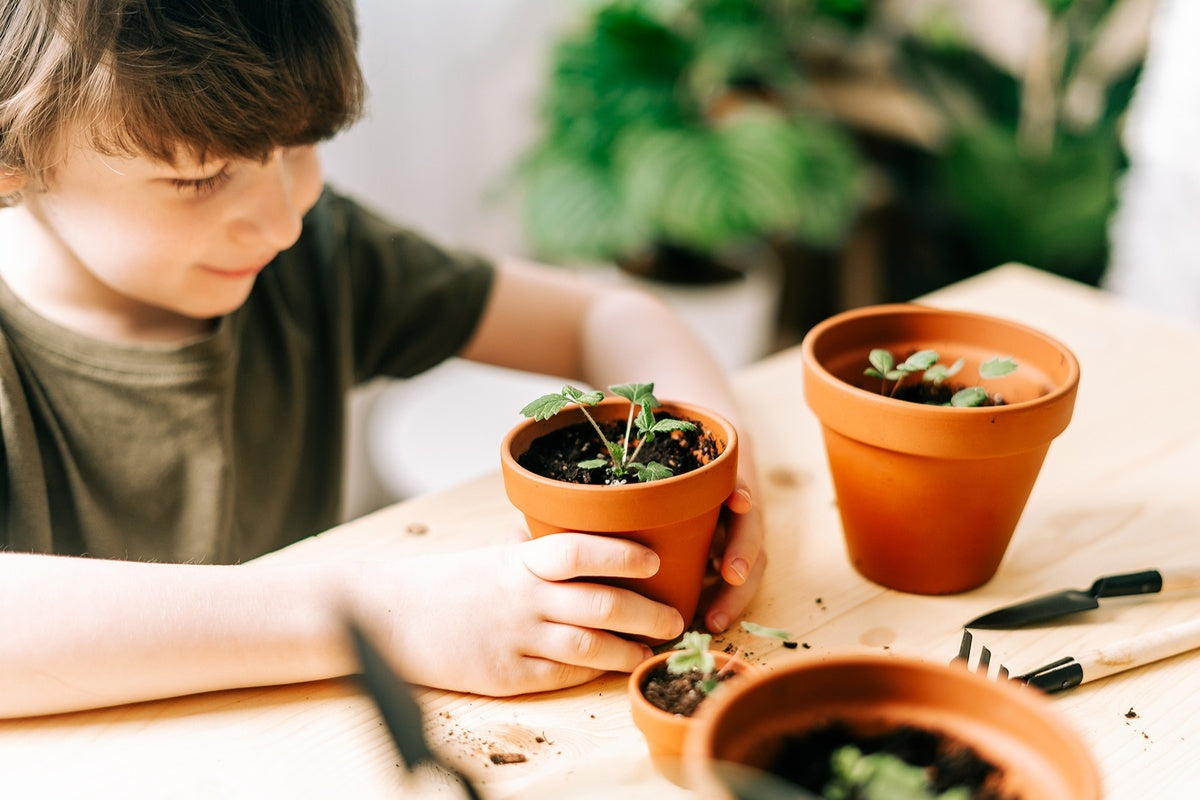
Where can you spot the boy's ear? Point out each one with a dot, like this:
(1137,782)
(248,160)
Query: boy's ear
(11,182)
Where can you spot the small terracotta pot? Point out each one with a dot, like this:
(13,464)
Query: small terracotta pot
(1012,726)
(675,517)
(929,496)
(666,732)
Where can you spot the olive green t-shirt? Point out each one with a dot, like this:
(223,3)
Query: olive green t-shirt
(229,445)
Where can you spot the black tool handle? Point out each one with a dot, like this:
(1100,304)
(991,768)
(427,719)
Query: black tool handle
(1145,582)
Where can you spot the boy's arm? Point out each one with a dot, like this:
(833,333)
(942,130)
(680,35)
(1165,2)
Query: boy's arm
(552,321)
(83,633)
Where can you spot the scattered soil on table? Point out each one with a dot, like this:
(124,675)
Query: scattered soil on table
(678,694)
(804,759)
(557,454)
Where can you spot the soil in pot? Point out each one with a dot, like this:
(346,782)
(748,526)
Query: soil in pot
(557,454)
(678,694)
(939,394)
(805,759)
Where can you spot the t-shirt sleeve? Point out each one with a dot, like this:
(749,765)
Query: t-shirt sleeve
(402,303)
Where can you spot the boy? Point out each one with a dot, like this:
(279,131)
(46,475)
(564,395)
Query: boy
(182,310)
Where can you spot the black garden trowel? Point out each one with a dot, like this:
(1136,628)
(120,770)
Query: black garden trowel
(1071,601)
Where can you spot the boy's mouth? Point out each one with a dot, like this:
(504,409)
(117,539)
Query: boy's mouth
(239,273)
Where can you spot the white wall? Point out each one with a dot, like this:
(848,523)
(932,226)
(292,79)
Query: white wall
(451,96)
(451,99)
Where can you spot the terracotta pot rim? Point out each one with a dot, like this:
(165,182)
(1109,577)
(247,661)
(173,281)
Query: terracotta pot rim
(698,745)
(887,404)
(509,460)
(646,713)
(644,668)
(1042,410)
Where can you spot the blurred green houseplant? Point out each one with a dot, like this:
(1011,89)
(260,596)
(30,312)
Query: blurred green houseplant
(1018,155)
(881,148)
(674,132)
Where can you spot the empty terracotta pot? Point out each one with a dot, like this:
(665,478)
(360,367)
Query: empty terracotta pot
(929,495)
(676,517)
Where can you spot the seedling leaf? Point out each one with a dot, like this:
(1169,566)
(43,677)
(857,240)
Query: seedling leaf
(882,361)
(640,394)
(668,425)
(545,406)
(918,361)
(997,367)
(653,471)
(969,397)
(938,373)
(691,652)
(763,630)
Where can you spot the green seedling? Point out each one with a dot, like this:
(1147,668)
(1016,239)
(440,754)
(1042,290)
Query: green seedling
(623,453)
(881,776)
(884,367)
(692,652)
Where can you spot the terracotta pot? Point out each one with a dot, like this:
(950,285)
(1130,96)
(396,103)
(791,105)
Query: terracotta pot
(666,732)
(929,496)
(1010,725)
(676,517)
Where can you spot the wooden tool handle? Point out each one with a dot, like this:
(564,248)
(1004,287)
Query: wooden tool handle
(1180,578)
(1138,650)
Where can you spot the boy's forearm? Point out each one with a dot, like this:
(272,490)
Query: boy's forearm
(84,633)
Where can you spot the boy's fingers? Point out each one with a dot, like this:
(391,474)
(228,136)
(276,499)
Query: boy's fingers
(732,599)
(742,547)
(604,608)
(741,500)
(576,648)
(563,556)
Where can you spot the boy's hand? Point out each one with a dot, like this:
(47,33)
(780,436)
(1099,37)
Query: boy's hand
(511,619)
(739,559)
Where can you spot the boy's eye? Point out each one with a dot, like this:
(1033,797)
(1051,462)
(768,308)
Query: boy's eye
(200,186)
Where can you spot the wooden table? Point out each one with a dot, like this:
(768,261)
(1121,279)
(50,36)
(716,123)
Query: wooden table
(1118,492)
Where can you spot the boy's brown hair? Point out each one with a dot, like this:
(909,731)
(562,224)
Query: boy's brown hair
(160,78)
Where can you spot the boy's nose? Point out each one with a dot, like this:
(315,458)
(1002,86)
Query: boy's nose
(274,213)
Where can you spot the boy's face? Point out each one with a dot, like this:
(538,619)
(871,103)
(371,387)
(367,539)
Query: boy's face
(144,241)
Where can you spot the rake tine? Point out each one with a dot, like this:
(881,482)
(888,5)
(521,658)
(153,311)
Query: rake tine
(983,666)
(964,648)
(985,660)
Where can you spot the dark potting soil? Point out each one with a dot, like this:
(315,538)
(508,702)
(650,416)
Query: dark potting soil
(805,759)
(677,694)
(557,454)
(938,394)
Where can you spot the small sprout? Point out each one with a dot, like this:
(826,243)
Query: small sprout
(938,373)
(621,454)
(881,775)
(692,653)
(883,366)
